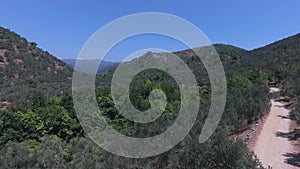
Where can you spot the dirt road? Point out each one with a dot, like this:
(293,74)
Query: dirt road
(273,146)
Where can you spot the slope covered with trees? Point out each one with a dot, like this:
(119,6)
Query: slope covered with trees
(281,60)
(26,69)
(46,133)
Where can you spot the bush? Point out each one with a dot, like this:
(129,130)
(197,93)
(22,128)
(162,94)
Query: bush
(259,77)
(238,81)
(67,152)
(31,143)
(10,128)
(283,93)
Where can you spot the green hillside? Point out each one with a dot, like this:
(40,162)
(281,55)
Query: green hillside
(26,69)
(42,130)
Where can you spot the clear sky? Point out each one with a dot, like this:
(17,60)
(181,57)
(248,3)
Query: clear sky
(63,26)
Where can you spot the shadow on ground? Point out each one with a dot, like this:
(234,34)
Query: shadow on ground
(284,117)
(292,159)
(291,136)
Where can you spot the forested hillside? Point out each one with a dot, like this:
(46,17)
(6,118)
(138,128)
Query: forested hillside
(26,69)
(281,60)
(45,132)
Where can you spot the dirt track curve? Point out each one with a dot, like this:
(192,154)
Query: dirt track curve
(273,146)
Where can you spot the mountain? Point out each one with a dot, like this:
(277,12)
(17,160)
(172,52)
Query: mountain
(104,66)
(280,57)
(26,70)
(48,134)
(280,53)
(229,55)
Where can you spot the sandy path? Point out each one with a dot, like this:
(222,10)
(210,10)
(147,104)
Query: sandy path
(272,145)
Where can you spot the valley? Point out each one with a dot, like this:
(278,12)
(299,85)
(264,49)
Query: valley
(40,129)
(273,145)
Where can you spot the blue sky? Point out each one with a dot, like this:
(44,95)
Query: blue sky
(62,27)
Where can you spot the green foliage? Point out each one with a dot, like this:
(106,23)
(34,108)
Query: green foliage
(46,117)
(295,114)
(282,71)
(57,121)
(31,143)
(169,109)
(31,82)
(52,100)
(217,153)
(10,128)
(259,77)
(46,114)
(32,123)
(239,81)
(244,107)
(54,137)
(283,93)
(29,70)
(291,89)
(229,53)
(67,152)
(52,154)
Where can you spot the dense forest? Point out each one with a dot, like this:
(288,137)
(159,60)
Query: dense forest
(39,127)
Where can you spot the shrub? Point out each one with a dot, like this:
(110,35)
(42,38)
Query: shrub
(238,81)
(31,143)
(67,152)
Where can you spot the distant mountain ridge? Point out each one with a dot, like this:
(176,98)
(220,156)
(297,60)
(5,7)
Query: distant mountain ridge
(235,59)
(104,66)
